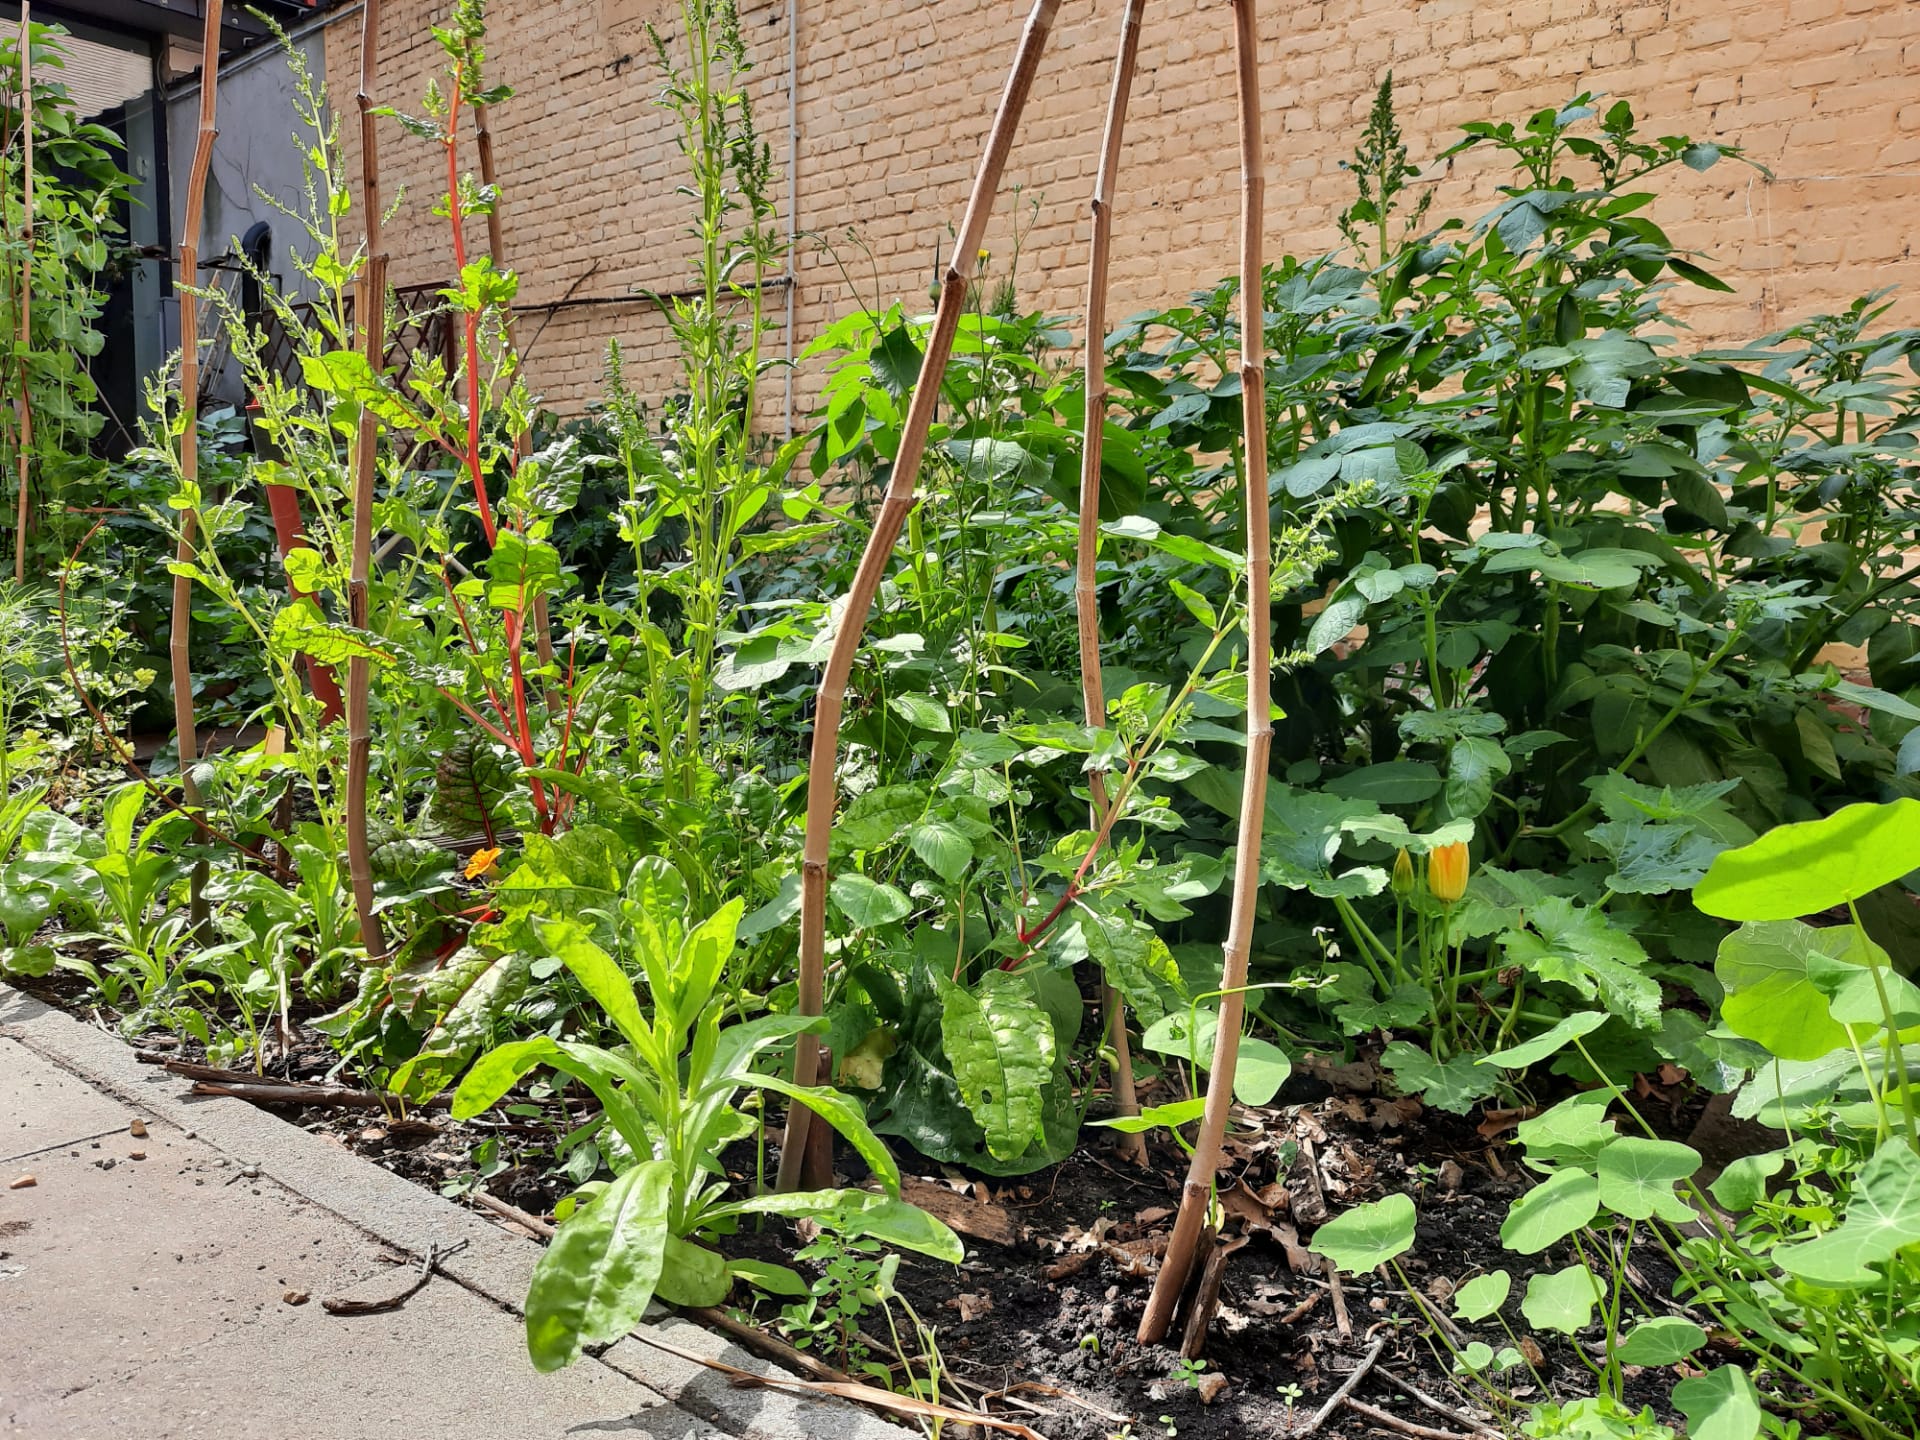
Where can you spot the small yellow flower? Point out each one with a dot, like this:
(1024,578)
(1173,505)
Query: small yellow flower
(1447,867)
(484,862)
(1403,874)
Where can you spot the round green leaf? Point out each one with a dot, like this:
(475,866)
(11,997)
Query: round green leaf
(1561,1300)
(1551,1211)
(1637,1177)
(1883,1218)
(1367,1235)
(1663,1341)
(1530,1052)
(1722,1405)
(1771,997)
(1802,869)
(1482,1295)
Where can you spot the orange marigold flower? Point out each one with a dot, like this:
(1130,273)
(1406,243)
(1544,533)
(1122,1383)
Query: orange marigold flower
(1447,867)
(483,863)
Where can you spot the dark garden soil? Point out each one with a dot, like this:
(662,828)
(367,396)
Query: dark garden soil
(1042,1315)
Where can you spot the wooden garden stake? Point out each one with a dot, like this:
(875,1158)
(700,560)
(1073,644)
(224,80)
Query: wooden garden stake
(1085,592)
(180,634)
(22,406)
(822,774)
(371,308)
(1197,1195)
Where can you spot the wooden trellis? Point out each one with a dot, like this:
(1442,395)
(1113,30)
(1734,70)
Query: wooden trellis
(823,774)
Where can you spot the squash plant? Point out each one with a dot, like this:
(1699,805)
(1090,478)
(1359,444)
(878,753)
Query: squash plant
(670,1092)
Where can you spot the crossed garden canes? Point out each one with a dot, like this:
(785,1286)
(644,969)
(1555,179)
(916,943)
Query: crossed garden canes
(823,777)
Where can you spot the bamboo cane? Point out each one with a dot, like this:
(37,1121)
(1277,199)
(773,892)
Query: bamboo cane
(370,306)
(523,442)
(822,774)
(1085,593)
(22,406)
(1197,1194)
(180,633)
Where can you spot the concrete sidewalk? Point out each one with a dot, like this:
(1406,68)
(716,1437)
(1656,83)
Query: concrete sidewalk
(170,1285)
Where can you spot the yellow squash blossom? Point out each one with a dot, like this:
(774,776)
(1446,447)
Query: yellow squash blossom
(1447,871)
(482,863)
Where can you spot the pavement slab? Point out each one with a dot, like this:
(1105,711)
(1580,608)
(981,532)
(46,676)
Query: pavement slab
(170,1285)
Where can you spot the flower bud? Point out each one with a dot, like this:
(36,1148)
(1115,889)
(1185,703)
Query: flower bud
(1403,875)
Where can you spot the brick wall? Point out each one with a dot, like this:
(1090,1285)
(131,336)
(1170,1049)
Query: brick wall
(894,97)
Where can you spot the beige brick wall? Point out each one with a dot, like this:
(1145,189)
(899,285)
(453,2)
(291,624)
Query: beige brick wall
(895,97)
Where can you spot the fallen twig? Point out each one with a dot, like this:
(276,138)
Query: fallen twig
(1405,1427)
(294,1093)
(1010,1394)
(429,1264)
(1346,1389)
(1439,1407)
(862,1394)
(1340,1316)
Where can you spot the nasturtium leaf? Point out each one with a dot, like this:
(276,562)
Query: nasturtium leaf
(1814,865)
(1551,1211)
(1260,1070)
(1661,1341)
(1368,1235)
(1561,1300)
(1720,1405)
(1770,996)
(1855,983)
(868,903)
(1743,1184)
(1180,1112)
(596,1279)
(1637,1177)
(1482,1295)
(1883,1218)
(1548,1042)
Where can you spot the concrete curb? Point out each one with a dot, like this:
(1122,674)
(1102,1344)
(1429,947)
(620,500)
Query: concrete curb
(495,1264)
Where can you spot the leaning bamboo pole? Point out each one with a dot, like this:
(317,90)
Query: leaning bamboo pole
(823,770)
(370,309)
(1197,1195)
(180,634)
(1085,591)
(22,405)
